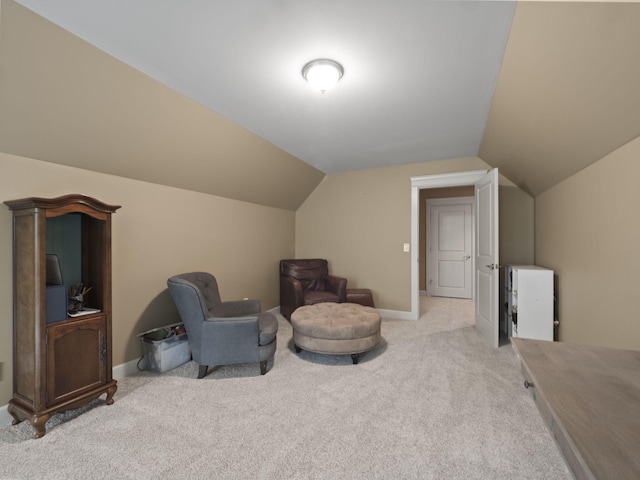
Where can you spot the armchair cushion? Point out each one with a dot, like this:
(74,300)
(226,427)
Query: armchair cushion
(311,298)
(310,273)
(239,308)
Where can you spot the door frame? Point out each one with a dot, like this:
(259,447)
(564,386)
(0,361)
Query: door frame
(446,202)
(458,179)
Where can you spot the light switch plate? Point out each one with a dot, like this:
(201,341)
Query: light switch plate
(406,247)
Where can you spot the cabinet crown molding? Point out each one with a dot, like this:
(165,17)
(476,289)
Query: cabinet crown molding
(65,200)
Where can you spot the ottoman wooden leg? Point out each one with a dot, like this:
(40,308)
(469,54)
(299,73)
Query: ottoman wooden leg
(355,357)
(297,348)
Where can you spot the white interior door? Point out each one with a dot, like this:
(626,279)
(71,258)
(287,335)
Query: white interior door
(486,268)
(450,247)
(443,180)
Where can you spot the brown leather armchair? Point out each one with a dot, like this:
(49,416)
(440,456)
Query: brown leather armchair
(306,282)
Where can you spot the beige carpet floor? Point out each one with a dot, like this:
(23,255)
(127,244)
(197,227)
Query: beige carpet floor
(432,401)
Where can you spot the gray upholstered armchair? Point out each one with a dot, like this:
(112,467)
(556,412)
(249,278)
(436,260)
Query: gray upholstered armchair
(222,333)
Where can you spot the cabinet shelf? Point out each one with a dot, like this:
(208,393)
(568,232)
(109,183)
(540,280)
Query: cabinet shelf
(64,364)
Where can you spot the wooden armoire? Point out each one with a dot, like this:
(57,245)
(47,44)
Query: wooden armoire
(65,362)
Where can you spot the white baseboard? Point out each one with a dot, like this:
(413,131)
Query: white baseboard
(400,315)
(125,369)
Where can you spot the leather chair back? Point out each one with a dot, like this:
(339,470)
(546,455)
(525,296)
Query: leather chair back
(310,272)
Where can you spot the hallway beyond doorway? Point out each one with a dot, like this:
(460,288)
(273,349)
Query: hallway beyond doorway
(444,314)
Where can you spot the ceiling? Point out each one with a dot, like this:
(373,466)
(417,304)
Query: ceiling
(538,89)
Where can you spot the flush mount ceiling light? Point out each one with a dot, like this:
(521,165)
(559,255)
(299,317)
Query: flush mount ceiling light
(322,74)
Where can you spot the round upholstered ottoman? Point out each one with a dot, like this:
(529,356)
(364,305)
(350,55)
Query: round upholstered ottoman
(336,328)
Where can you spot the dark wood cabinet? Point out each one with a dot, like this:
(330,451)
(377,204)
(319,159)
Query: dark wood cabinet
(64,364)
(76,358)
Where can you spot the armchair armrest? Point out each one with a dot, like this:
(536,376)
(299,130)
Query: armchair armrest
(233,340)
(337,285)
(291,295)
(239,308)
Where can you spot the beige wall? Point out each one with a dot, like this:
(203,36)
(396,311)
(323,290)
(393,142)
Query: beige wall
(587,230)
(158,232)
(516,224)
(567,92)
(360,220)
(65,101)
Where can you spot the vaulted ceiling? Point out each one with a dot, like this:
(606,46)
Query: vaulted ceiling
(538,89)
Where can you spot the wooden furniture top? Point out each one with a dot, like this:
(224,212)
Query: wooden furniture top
(59,202)
(593,396)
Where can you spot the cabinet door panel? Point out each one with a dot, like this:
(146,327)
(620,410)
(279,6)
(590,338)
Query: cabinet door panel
(75,358)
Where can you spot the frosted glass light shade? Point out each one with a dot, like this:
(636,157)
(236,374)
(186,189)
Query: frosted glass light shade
(322,74)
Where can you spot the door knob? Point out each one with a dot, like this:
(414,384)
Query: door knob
(466,257)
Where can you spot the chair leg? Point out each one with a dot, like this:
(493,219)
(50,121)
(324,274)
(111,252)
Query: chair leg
(202,370)
(263,367)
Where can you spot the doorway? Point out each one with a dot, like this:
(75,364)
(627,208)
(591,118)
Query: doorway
(449,254)
(486,249)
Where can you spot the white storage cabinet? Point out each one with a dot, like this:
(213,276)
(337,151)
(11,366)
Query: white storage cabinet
(529,291)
